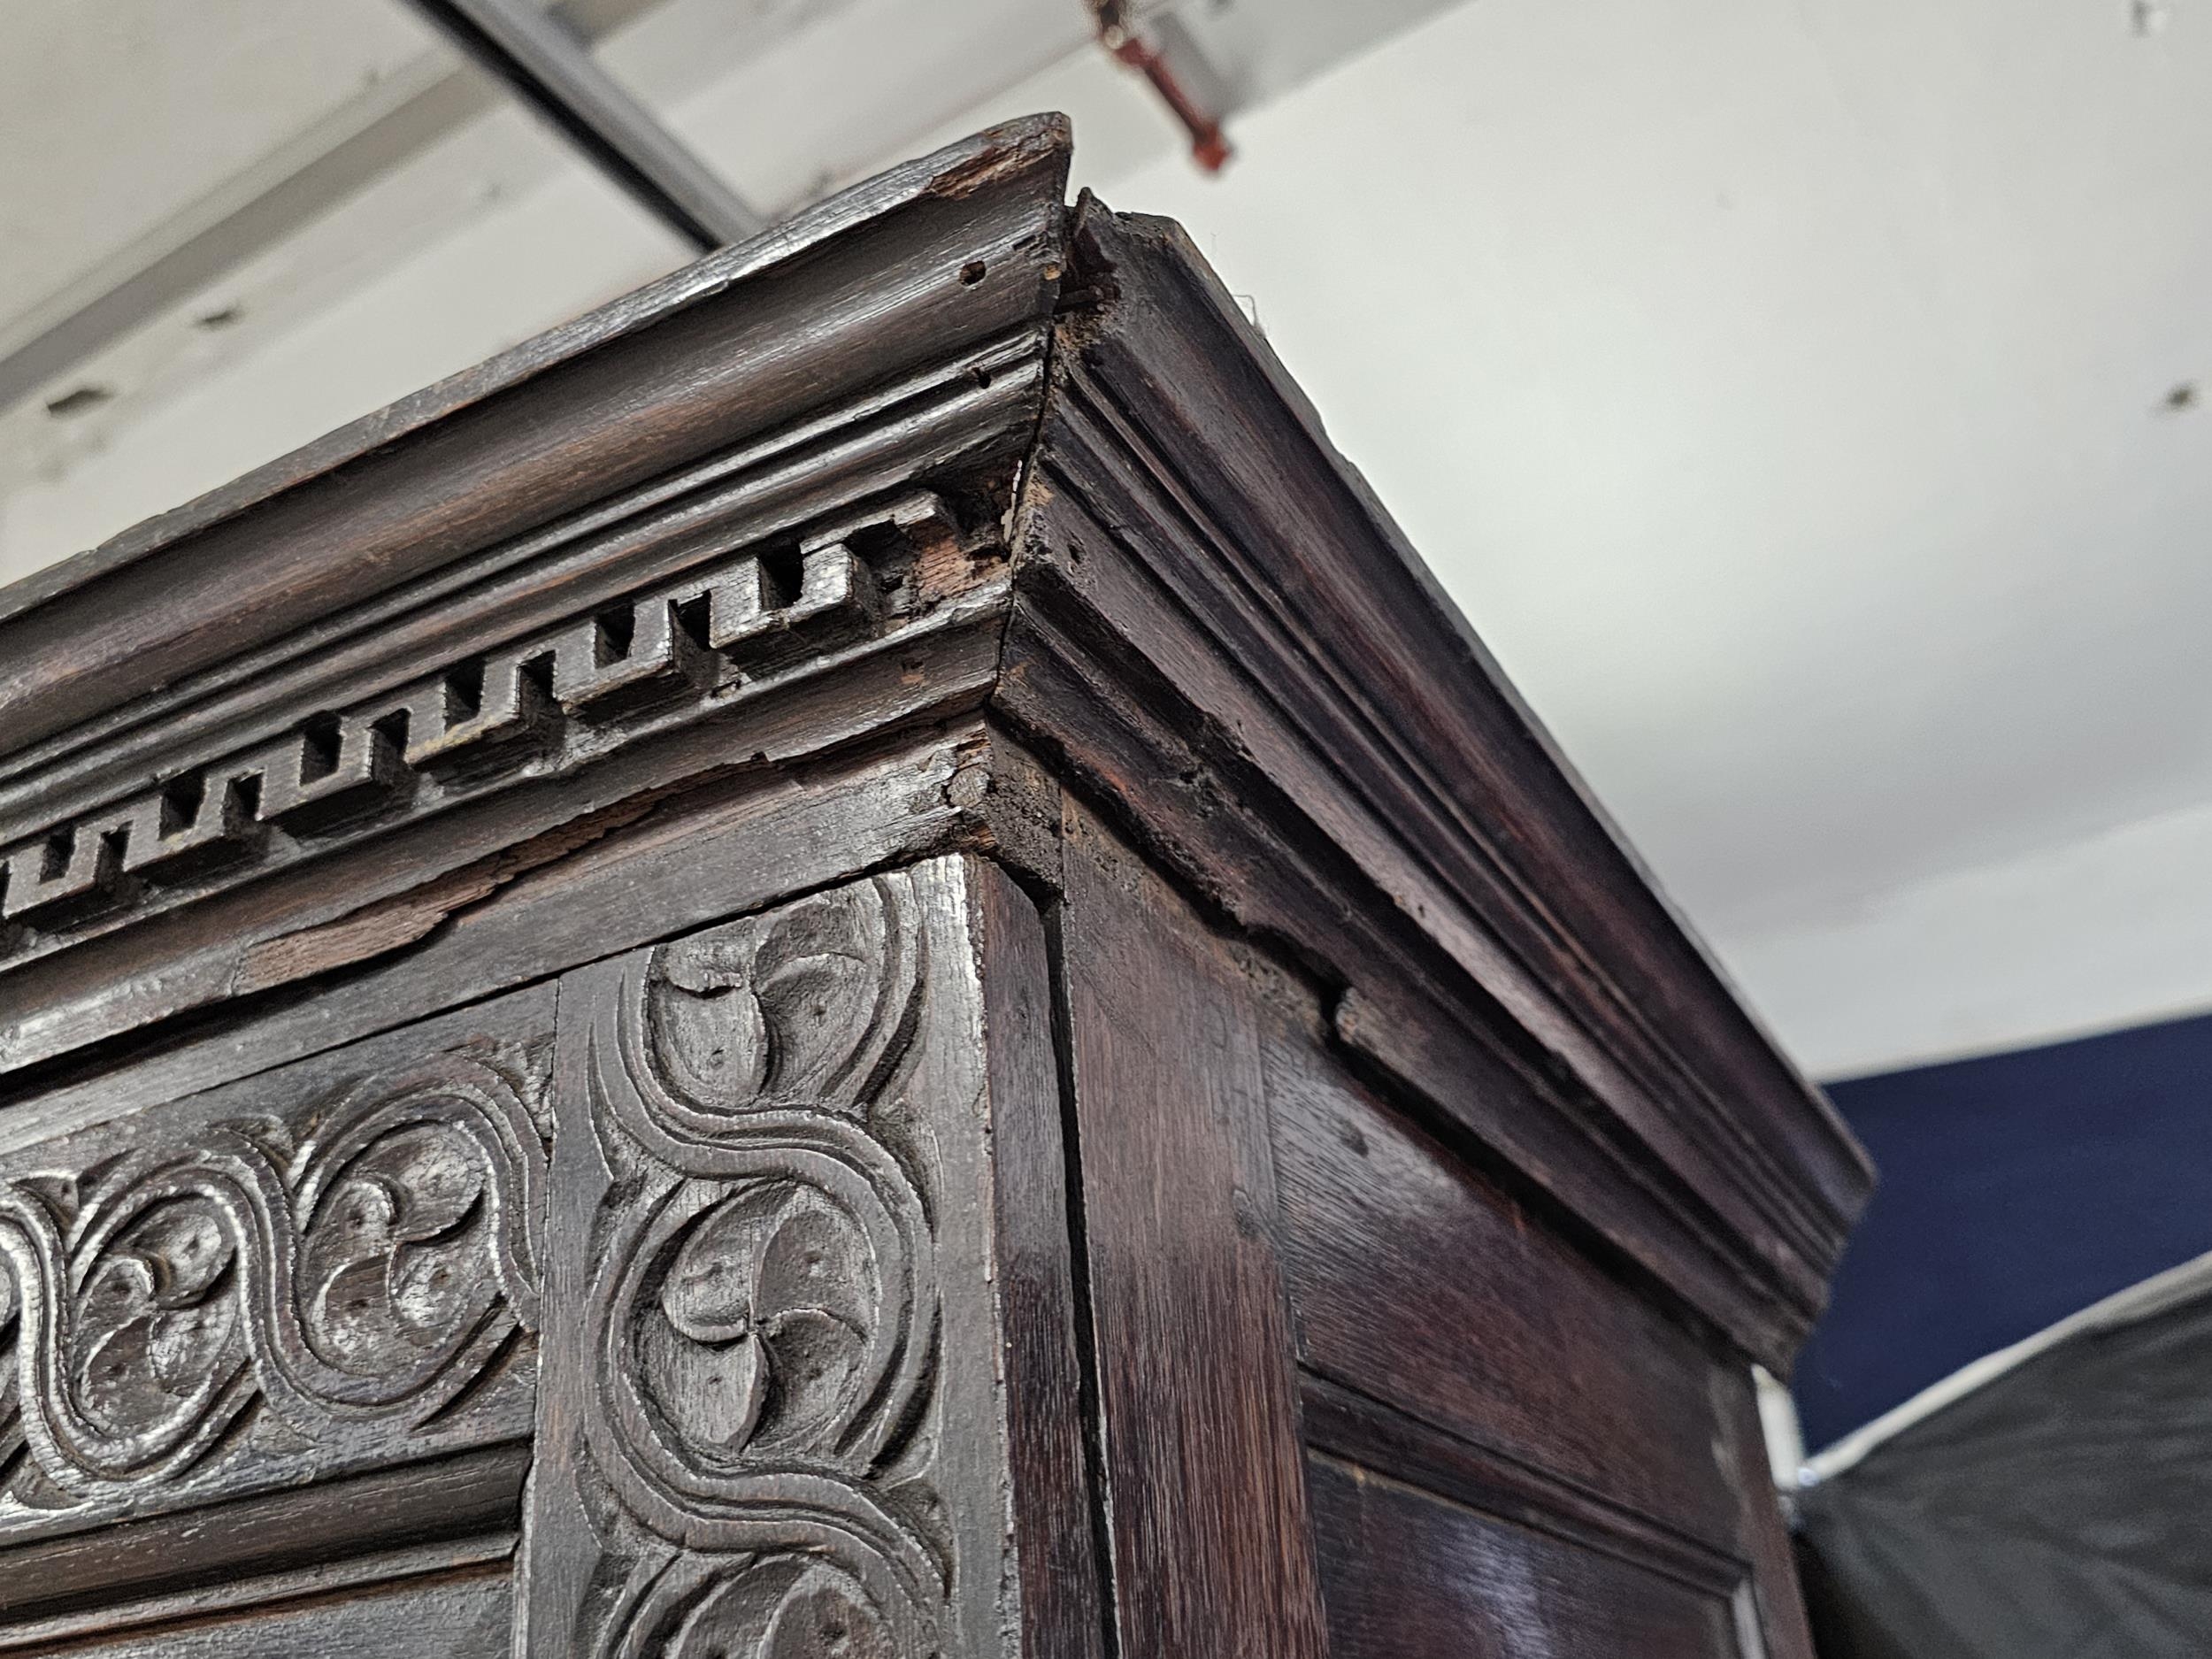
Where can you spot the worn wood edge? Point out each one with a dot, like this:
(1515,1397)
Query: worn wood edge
(423,826)
(389,891)
(695,859)
(389,1522)
(100,633)
(1370,1435)
(834,216)
(1297,901)
(424,1566)
(1524,905)
(1141,253)
(1255,729)
(1252,752)
(1056,1520)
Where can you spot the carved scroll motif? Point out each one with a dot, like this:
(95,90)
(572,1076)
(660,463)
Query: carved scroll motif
(765,1349)
(369,1274)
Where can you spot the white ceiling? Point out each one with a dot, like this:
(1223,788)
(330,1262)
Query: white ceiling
(1785,391)
(114,113)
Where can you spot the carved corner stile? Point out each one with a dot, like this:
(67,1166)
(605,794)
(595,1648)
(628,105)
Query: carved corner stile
(752,1441)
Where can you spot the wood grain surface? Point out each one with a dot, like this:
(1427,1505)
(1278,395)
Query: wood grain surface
(1198,1408)
(1417,1281)
(1408,1573)
(1058,1540)
(467,1613)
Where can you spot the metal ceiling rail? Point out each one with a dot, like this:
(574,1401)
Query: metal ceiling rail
(546,63)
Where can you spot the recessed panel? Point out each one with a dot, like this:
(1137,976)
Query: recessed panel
(1405,1575)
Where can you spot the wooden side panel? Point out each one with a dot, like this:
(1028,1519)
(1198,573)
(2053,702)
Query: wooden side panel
(1318,595)
(1210,1545)
(1055,1537)
(1417,1282)
(1456,1343)
(1408,1575)
(791,1365)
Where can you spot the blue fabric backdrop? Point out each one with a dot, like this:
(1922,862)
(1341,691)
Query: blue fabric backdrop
(2015,1190)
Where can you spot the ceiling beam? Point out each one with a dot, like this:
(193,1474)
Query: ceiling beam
(550,67)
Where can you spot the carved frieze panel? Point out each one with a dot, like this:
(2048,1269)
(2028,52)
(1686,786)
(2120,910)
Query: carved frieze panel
(330,1267)
(766,1428)
(678,650)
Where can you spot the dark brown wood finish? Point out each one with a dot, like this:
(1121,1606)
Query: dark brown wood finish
(388,1527)
(1772,1592)
(1411,1572)
(1419,1283)
(467,1613)
(848,961)
(327,1268)
(1207,1512)
(1054,1535)
(910,271)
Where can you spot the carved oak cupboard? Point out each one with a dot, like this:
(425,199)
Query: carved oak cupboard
(848,960)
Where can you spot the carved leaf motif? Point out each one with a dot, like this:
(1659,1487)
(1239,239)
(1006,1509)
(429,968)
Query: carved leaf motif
(158,1319)
(796,1010)
(770,1326)
(397,1254)
(764,1313)
(783,1608)
(818,1006)
(709,1033)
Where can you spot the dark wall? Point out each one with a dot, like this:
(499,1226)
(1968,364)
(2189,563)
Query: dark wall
(2016,1189)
